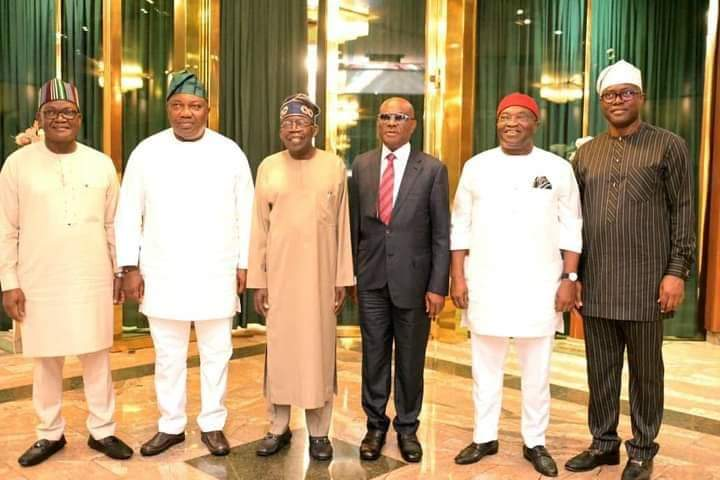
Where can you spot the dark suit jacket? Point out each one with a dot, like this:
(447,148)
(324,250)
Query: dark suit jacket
(412,254)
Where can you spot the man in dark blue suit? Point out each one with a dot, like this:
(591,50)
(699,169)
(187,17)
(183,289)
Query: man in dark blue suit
(400,234)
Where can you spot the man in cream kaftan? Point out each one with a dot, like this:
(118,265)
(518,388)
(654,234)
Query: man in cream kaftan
(57,254)
(300,262)
(515,241)
(183,226)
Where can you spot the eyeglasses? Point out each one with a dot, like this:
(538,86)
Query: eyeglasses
(625,95)
(295,123)
(394,117)
(519,118)
(67,113)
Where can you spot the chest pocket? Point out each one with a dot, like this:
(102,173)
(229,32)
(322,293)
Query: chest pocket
(326,204)
(641,183)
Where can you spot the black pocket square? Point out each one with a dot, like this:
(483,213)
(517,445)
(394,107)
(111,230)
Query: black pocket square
(542,182)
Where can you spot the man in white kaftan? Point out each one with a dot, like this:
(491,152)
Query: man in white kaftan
(515,241)
(183,226)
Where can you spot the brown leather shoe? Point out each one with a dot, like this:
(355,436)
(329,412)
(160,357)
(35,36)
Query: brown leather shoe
(272,443)
(216,442)
(161,442)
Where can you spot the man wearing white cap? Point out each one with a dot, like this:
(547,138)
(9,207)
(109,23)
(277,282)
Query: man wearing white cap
(639,244)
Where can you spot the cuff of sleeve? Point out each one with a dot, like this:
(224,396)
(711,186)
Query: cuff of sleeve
(677,269)
(9,281)
(571,246)
(460,241)
(256,280)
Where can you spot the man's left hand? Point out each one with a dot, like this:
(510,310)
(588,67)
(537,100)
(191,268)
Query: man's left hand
(339,299)
(118,294)
(241,276)
(434,304)
(565,296)
(672,293)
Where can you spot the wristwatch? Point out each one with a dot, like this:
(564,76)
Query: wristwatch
(572,276)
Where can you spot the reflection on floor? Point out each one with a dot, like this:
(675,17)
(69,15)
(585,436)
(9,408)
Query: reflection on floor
(690,438)
(294,463)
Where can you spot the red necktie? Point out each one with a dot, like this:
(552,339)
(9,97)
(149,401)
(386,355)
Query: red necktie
(385,194)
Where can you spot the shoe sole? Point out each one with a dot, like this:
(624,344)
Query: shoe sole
(613,461)
(490,452)
(152,454)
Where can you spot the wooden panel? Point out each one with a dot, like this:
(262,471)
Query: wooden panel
(711,268)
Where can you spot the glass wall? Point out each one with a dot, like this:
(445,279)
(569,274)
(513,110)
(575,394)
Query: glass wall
(381,54)
(147,33)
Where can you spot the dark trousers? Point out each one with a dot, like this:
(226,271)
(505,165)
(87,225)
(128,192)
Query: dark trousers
(605,344)
(381,324)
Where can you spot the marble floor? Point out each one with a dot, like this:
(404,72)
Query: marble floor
(689,439)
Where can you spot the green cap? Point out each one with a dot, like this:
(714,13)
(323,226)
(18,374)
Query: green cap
(185,81)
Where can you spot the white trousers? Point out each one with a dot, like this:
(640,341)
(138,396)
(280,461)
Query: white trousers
(99,395)
(171,338)
(488,359)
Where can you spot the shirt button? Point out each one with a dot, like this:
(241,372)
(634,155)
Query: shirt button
(387,232)
(617,160)
(614,184)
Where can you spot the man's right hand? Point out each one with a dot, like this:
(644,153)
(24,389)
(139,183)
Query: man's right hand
(459,292)
(260,301)
(133,285)
(13,302)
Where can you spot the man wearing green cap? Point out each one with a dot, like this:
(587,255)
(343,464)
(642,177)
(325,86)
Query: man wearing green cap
(57,257)
(183,226)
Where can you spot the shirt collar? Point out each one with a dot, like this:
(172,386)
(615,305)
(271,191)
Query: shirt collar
(401,154)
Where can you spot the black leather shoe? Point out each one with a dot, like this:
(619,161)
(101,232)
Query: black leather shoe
(372,444)
(475,451)
(410,447)
(111,446)
(592,458)
(161,442)
(272,443)
(216,442)
(321,449)
(541,460)
(637,470)
(41,451)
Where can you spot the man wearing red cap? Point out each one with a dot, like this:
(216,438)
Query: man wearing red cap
(519,199)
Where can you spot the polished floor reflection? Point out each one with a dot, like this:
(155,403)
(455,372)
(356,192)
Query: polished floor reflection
(689,439)
(294,463)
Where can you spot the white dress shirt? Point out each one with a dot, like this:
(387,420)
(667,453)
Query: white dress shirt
(399,164)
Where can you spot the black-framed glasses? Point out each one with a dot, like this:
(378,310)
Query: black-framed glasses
(624,95)
(295,123)
(67,113)
(394,117)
